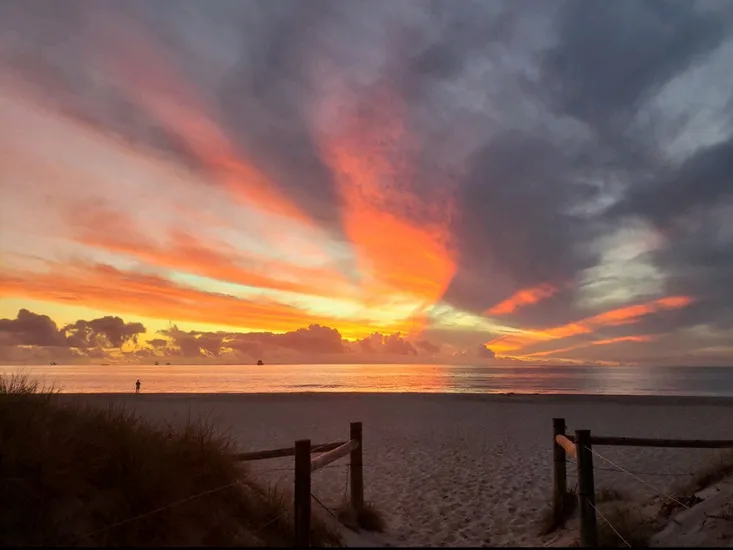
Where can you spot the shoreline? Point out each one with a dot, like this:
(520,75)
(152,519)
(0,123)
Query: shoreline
(536,398)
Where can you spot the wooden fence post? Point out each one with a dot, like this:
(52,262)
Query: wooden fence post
(357,468)
(559,473)
(302,493)
(586,490)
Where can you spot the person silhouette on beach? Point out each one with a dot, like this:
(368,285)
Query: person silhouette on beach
(137,386)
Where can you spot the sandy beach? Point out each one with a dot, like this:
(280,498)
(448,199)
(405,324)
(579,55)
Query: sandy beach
(453,470)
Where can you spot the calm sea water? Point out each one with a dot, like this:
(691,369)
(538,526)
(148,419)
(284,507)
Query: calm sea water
(701,381)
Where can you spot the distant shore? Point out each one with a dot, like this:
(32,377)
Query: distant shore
(449,469)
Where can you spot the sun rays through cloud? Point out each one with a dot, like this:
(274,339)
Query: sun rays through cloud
(429,181)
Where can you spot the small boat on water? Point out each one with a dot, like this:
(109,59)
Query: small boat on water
(156,363)
(260,363)
(52,363)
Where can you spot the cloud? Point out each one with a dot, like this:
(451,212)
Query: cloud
(481,157)
(108,288)
(485,352)
(108,332)
(32,329)
(393,344)
(309,344)
(33,336)
(97,337)
(427,346)
(522,298)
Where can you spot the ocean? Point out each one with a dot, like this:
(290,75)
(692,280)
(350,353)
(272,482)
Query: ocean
(657,380)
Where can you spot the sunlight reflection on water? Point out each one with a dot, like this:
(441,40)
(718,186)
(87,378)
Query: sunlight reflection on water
(702,381)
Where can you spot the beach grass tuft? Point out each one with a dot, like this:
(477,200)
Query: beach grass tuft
(630,528)
(610,495)
(550,523)
(719,468)
(368,517)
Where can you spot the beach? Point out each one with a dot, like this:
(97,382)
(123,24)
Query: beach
(453,470)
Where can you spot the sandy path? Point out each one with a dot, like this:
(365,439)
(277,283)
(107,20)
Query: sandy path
(451,470)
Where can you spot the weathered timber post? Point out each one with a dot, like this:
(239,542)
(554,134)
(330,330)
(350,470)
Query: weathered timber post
(357,468)
(302,493)
(586,490)
(559,473)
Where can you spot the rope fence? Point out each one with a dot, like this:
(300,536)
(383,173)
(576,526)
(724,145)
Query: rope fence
(150,513)
(580,448)
(305,465)
(608,522)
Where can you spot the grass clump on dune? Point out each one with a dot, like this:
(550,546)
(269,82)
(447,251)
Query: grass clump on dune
(368,517)
(719,468)
(630,528)
(82,476)
(549,522)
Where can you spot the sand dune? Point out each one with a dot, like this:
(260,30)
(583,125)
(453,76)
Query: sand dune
(452,470)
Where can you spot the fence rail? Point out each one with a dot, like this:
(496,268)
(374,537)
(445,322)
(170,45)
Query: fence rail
(580,448)
(284,452)
(305,465)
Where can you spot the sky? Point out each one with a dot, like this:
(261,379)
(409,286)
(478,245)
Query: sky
(530,181)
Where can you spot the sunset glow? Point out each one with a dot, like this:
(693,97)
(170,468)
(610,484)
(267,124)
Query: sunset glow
(360,188)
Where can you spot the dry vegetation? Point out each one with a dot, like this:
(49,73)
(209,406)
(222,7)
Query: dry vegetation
(717,470)
(81,476)
(549,523)
(630,528)
(367,518)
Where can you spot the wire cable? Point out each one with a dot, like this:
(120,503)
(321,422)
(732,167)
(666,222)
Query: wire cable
(609,524)
(153,512)
(656,490)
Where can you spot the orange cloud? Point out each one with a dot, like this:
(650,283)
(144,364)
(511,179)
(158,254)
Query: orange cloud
(394,253)
(616,317)
(606,342)
(155,85)
(109,289)
(113,231)
(521,298)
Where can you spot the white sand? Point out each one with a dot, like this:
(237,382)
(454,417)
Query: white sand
(452,470)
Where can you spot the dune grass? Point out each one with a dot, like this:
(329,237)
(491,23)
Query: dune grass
(549,523)
(368,517)
(82,476)
(610,495)
(629,527)
(719,468)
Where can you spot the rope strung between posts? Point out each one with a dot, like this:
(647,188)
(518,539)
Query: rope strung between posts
(620,468)
(604,518)
(152,512)
(273,520)
(663,474)
(325,507)
(346,480)
(291,469)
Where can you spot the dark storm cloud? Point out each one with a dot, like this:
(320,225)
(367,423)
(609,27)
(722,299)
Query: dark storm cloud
(315,339)
(485,352)
(48,46)
(701,181)
(265,97)
(32,329)
(393,344)
(524,215)
(534,115)
(103,332)
(613,55)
